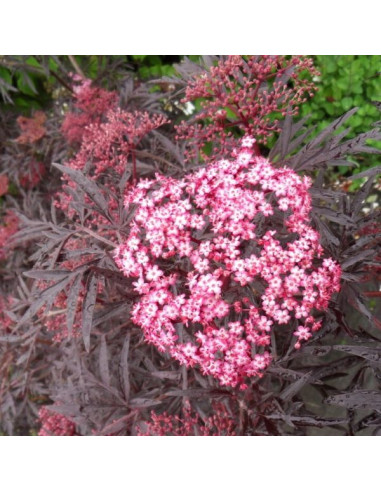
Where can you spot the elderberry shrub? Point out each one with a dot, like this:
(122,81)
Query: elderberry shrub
(187,275)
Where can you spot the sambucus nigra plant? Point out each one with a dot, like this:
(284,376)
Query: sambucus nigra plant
(161,286)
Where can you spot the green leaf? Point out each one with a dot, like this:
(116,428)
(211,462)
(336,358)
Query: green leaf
(347,103)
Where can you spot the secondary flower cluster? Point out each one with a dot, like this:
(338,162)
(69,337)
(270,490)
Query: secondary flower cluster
(54,424)
(5,320)
(222,257)
(8,226)
(91,104)
(32,129)
(221,423)
(109,147)
(249,94)
(109,144)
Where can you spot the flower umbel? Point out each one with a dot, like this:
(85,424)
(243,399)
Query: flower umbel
(222,257)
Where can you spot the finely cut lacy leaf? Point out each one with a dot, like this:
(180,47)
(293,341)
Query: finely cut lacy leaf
(363,399)
(88,309)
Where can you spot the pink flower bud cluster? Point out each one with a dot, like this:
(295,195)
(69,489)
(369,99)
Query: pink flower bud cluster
(5,320)
(109,144)
(8,226)
(220,423)
(54,424)
(249,94)
(221,258)
(91,104)
(110,147)
(32,129)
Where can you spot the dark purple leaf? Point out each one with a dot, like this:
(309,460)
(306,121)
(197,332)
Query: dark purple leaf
(103,362)
(370,353)
(123,368)
(333,216)
(47,274)
(173,375)
(308,421)
(72,302)
(198,393)
(374,171)
(295,387)
(359,257)
(88,309)
(47,295)
(357,400)
(87,186)
(117,425)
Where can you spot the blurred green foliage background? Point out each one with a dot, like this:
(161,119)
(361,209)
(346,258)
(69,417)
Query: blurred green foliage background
(346,81)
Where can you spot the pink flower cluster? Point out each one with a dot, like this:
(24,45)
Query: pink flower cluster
(8,227)
(91,104)
(32,129)
(5,320)
(109,144)
(110,147)
(245,94)
(54,424)
(222,257)
(220,423)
